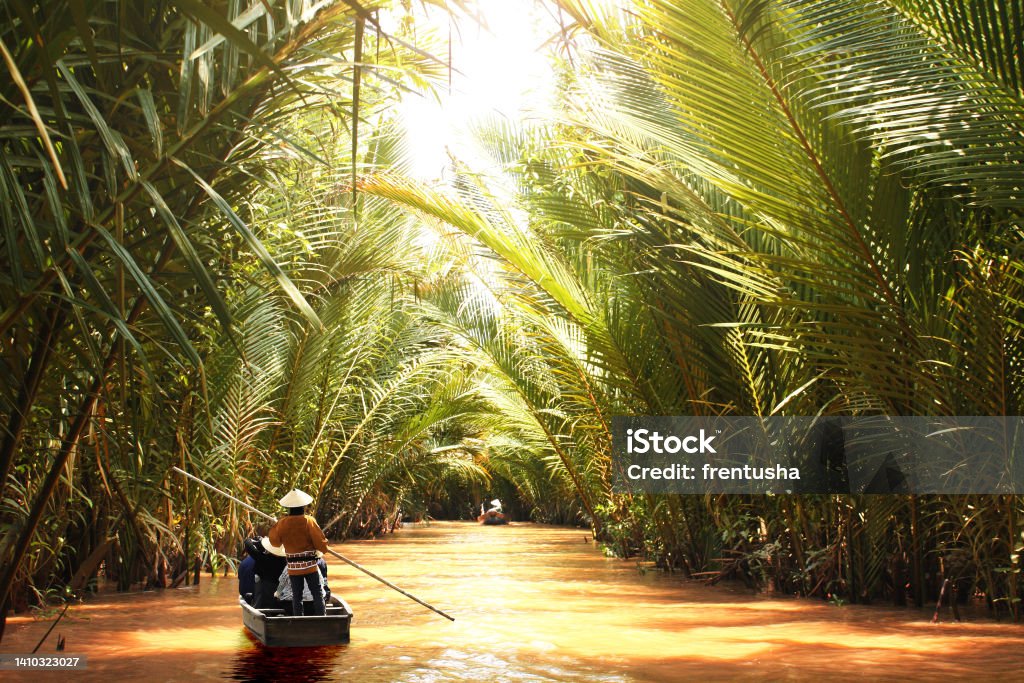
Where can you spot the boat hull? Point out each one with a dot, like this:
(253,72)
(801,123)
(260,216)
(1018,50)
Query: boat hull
(275,629)
(494,521)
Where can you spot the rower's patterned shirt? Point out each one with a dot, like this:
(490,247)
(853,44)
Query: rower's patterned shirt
(301,537)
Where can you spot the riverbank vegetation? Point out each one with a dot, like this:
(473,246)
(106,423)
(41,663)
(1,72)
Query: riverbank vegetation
(215,257)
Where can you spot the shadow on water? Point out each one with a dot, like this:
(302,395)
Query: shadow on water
(294,664)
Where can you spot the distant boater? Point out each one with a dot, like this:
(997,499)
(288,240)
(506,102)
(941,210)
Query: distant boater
(493,515)
(301,537)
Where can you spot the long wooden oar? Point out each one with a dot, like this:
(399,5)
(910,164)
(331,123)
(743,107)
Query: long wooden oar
(336,554)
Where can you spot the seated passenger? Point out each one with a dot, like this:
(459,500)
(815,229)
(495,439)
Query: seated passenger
(322,566)
(284,588)
(247,579)
(268,565)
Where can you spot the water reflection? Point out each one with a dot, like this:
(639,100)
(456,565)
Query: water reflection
(260,664)
(531,603)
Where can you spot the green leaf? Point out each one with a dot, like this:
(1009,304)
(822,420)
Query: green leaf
(238,38)
(108,309)
(191,256)
(112,140)
(149,291)
(145,97)
(254,243)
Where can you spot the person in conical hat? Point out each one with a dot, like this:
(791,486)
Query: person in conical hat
(301,538)
(275,550)
(267,564)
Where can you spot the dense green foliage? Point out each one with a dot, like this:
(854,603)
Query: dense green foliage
(751,208)
(761,209)
(152,160)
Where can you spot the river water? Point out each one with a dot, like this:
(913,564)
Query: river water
(531,603)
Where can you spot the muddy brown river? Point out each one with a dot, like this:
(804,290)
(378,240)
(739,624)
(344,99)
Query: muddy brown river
(531,603)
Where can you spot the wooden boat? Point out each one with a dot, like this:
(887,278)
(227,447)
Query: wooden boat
(492,517)
(274,627)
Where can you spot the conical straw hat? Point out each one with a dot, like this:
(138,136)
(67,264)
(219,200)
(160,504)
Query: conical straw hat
(272,549)
(296,499)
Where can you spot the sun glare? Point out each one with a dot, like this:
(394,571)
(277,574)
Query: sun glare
(501,67)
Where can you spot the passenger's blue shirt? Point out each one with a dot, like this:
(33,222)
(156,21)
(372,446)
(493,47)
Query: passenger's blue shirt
(247,576)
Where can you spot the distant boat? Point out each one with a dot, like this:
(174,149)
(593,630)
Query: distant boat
(492,517)
(275,628)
